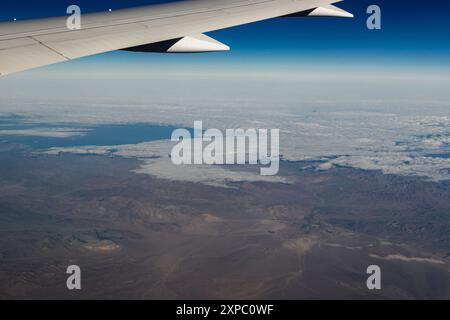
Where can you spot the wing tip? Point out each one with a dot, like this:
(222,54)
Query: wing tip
(330,11)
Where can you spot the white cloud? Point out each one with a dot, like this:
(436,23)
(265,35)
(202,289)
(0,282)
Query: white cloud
(45,132)
(156,162)
(395,136)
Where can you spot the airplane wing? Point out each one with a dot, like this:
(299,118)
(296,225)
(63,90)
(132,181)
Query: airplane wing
(170,27)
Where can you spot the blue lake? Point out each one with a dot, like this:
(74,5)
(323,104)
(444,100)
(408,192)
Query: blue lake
(443,155)
(101,135)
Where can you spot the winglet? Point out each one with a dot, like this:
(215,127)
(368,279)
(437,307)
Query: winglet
(324,11)
(330,11)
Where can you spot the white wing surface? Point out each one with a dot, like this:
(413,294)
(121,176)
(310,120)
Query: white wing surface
(172,27)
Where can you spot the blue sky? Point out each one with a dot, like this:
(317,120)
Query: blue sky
(415,34)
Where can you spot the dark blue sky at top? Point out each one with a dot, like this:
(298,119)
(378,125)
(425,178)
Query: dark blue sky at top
(414,32)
